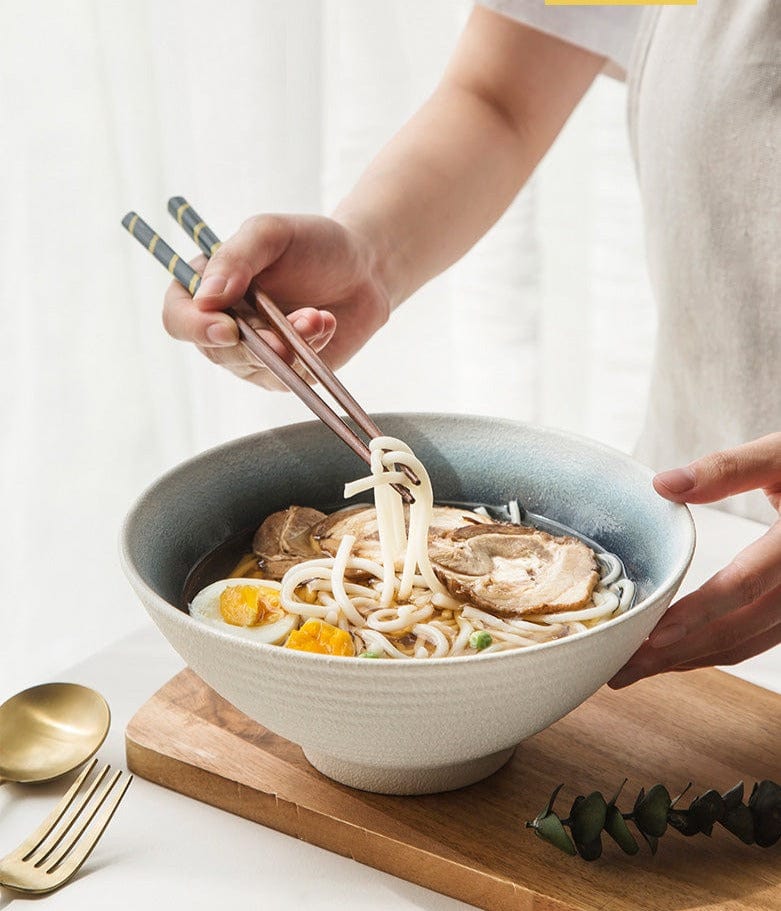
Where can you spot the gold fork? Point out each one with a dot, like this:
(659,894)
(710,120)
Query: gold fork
(46,860)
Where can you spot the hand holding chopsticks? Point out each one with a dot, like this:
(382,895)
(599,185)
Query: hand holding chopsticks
(256,302)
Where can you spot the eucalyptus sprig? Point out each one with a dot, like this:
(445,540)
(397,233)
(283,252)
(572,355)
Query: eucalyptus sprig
(756,822)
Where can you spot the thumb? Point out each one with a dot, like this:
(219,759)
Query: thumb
(721,474)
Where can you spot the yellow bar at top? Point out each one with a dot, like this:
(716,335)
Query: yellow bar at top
(620,2)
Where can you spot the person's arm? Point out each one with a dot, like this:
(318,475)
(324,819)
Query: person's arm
(437,186)
(453,169)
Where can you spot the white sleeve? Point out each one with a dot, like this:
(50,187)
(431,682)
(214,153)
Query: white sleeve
(606,30)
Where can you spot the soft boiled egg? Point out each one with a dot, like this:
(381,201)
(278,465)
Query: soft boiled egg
(247,608)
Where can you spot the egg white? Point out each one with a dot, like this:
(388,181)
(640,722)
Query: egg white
(205,607)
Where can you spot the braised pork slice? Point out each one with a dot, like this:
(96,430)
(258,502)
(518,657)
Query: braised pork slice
(361,521)
(512,569)
(285,539)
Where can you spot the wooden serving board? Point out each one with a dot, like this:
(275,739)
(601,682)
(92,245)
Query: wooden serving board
(704,726)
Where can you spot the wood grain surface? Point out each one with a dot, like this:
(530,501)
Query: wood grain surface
(704,726)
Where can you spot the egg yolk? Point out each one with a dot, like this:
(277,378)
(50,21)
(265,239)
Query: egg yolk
(321,638)
(248,605)
(306,594)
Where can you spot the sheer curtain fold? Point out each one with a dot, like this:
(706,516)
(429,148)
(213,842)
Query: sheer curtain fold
(256,105)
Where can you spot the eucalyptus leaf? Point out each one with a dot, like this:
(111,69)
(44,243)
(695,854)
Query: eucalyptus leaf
(652,840)
(765,807)
(617,829)
(683,821)
(758,823)
(734,797)
(706,810)
(587,818)
(615,797)
(739,821)
(650,811)
(591,850)
(550,829)
(675,800)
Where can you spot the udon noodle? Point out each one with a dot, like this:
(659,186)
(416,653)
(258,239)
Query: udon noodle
(398,606)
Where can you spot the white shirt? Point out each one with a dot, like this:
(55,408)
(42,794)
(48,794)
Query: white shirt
(705,125)
(607,31)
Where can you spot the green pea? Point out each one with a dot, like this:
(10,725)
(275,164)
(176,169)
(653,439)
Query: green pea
(480,639)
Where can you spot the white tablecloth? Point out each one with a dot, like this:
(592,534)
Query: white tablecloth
(164,850)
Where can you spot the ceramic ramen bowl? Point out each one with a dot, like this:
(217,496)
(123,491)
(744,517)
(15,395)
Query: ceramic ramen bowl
(408,726)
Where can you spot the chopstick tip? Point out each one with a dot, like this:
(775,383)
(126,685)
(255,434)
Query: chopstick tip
(174,203)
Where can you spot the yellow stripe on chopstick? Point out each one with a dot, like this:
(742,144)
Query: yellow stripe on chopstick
(148,238)
(193,224)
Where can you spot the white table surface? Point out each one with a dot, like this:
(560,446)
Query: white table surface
(165,850)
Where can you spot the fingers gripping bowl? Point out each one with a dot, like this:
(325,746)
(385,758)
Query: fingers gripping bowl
(408,726)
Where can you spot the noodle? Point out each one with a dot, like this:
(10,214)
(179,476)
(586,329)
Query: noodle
(395,605)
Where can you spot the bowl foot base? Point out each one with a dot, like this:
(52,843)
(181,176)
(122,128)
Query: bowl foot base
(395,780)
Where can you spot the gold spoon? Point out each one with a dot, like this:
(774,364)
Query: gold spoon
(49,730)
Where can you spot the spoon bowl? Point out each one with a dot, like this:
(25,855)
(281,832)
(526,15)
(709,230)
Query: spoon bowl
(48,730)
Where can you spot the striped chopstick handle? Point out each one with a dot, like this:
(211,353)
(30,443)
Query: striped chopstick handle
(266,355)
(193,224)
(208,241)
(181,271)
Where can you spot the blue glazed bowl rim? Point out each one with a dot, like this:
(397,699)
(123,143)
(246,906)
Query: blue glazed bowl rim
(672,580)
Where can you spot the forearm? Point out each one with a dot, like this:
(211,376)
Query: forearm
(436,188)
(452,170)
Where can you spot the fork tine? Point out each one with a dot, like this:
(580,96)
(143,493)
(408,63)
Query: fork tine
(63,869)
(33,842)
(51,863)
(69,822)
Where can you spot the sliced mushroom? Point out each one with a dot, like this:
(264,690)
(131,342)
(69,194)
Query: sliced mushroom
(515,570)
(361,521)
(285,539)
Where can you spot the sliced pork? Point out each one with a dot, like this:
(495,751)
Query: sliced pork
(285,539)
(361,521)
(514,570)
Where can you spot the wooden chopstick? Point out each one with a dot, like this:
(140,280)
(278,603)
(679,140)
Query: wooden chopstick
(208,241)
(190,279)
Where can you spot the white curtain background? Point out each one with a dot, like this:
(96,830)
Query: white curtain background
(250,106)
